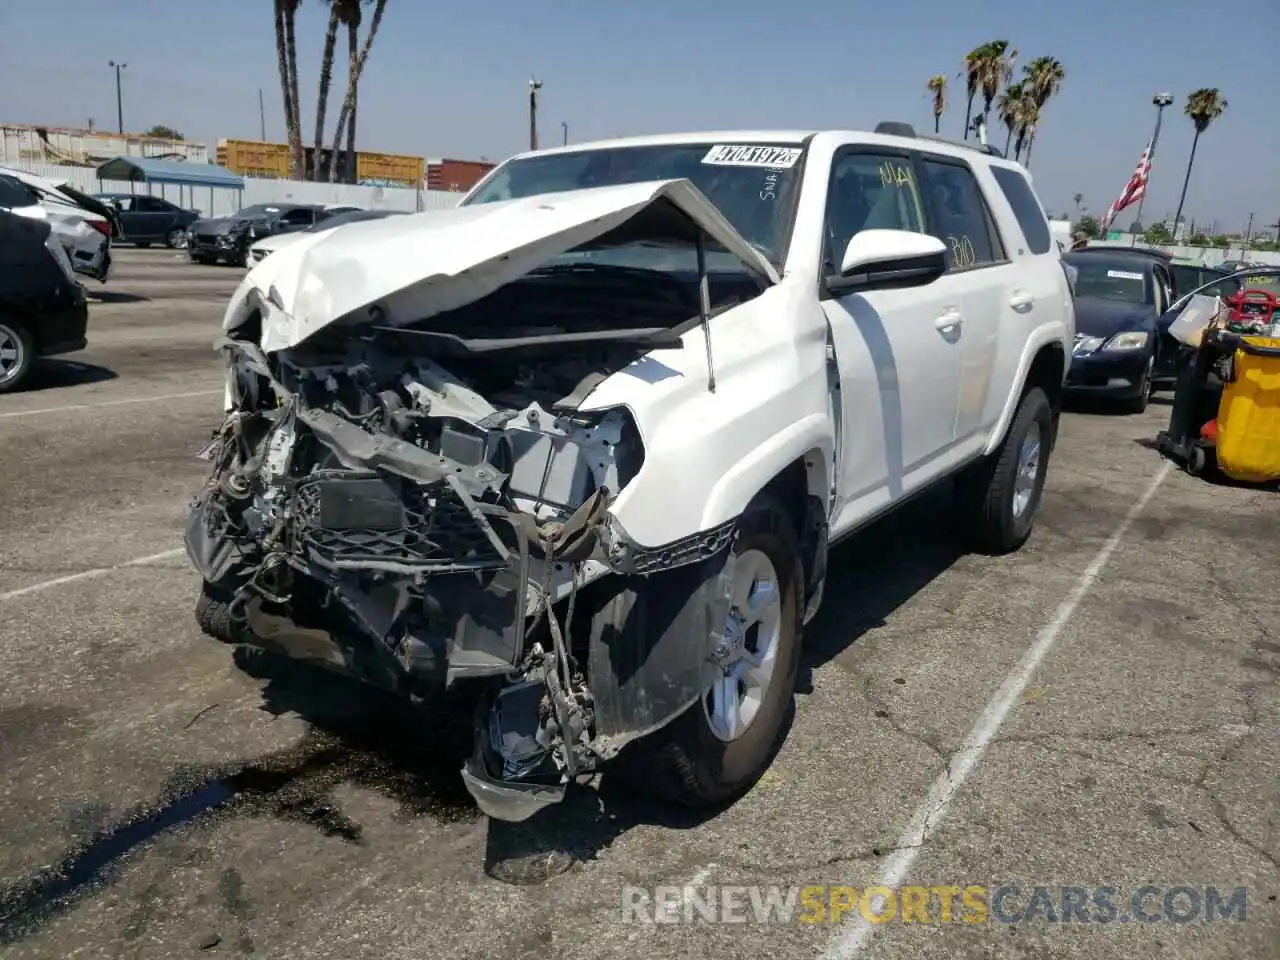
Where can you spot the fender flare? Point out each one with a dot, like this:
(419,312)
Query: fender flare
(1046,335)
(740,484)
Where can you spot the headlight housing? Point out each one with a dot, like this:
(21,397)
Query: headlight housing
(1128,341)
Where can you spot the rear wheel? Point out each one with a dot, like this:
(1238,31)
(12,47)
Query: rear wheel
(997,498)
(717,749)
(17,354)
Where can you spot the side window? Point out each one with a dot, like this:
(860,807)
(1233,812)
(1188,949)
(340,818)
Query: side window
(299,218)
(1026,208)
(148,205)
(961,220)
(15,193)
(870,191)
(1162,290)
(125,204)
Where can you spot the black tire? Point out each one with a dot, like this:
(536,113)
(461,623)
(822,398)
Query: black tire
(985,491)
(19,354)
(1197,461)
(213,615)
(1139,403)
(685,762)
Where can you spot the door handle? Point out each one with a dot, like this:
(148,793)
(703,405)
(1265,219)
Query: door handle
(1021,302)
(949,320)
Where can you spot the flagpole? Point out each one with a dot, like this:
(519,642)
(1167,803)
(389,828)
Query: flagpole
(1160,100)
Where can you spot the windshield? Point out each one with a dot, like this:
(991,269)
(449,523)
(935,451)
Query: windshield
(1123,282)
(753,185)
(259,211)
(1187,277)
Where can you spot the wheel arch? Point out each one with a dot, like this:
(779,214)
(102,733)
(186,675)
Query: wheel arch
(1044,365)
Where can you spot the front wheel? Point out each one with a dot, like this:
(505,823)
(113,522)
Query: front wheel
(997,498)
(718,748)
(1146,387)
(176,239)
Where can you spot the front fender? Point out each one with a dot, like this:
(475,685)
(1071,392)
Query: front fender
(808,437)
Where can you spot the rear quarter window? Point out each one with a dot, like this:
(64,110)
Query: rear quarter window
(1026,208)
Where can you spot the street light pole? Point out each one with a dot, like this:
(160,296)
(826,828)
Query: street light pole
(119,102)
(534,87)
(564,129)
(1160,100)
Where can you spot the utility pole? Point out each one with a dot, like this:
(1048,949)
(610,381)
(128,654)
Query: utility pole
(534,87)
(1248,235)
(1276,227)
(1160,100)
(119,102)
(262,116)
(564,129)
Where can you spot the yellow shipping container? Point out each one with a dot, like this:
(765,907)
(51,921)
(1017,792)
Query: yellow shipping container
(392,167)
(253,158)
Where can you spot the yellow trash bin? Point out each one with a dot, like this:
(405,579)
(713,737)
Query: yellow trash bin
(1248,441)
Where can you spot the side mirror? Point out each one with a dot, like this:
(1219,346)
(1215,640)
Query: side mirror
(888,260)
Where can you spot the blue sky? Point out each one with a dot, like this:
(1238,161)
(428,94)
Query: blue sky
(451,79)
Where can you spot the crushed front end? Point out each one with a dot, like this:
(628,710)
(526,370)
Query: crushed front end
(376,514)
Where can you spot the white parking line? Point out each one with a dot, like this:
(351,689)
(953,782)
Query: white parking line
(89,574)
(933,811)
(110,403)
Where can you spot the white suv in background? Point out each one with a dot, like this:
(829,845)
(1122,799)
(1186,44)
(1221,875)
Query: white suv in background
(582,443)
(82,225)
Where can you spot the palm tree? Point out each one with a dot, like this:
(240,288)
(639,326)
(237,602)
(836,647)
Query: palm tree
(972,73)
(938,87)
(326,77)
(353,80)
(1203,107)
(1043,79)
(351,16)
(287,58)
(1077,200)
(992,72)
(1009,110)
(1028,117)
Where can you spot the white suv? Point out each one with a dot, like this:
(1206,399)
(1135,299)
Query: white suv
(582,443)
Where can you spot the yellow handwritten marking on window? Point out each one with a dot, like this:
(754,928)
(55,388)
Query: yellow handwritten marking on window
(962,252)
(894,175)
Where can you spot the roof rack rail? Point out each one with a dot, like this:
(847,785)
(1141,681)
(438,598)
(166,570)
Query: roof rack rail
(897,128)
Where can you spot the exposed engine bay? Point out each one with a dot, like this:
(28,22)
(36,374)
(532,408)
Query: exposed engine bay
(362,495)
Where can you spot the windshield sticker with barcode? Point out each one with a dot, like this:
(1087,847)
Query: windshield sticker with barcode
(1123,275)
(749,155)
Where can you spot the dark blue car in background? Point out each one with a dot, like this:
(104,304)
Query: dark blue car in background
(1118,353)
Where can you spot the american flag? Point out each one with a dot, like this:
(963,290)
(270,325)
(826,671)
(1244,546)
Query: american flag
(1133,190)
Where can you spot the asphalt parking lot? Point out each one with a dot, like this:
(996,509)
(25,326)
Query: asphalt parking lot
(1100,709)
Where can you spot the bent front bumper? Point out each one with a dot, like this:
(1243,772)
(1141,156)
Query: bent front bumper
(1116,376)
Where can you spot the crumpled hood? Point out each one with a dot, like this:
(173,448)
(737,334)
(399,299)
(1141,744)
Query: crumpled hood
(221,225)
(424,264)
(1096,317)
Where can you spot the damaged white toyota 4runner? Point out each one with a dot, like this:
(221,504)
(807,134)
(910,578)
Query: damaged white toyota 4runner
(582,443)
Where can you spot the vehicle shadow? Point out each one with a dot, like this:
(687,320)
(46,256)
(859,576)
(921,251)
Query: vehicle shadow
(51,373)
(876,571)
(1096,407)
(115,296)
